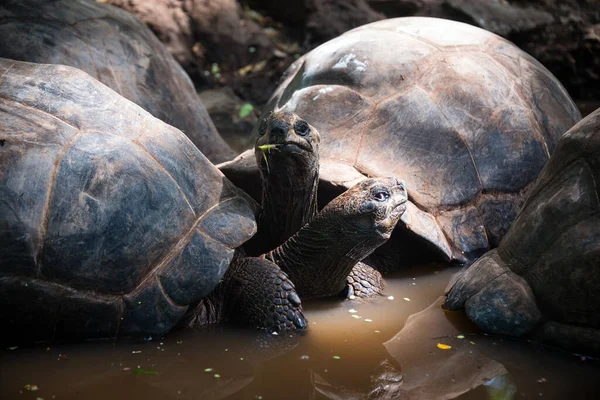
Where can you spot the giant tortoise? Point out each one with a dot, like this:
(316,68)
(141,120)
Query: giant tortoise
(463,116)
(112,222)
(544,277)
(117,49)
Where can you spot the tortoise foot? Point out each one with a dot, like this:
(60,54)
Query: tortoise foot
(364,281)
(496,299)
(260,295)
(579,339)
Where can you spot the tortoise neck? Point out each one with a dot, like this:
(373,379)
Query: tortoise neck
(289,201)
(319,257)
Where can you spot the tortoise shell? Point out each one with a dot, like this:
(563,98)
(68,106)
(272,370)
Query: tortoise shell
(554,243)
(116,49)
(462,115)
(544,276)
(111,221)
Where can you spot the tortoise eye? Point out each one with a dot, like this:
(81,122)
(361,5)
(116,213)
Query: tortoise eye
(301,128)
(381,195)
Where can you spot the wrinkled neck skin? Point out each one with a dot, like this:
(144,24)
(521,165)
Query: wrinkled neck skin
(319,257)
(289,200)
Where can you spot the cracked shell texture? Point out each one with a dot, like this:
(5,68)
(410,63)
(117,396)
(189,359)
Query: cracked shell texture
(102,203)
(466,118)
(118,50)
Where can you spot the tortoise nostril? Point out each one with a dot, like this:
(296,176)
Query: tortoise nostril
(401,184)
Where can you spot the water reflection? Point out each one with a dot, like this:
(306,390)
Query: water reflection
(343,355)
(501,388)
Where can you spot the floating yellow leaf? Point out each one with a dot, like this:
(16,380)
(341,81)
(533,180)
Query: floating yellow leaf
(443,346)
(461,336)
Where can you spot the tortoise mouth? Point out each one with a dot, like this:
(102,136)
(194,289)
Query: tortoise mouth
(386,227)
(289,147)
(294,147)
(399,210)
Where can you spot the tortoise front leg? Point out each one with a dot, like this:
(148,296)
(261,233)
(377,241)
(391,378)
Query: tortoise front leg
(260,295)
(364,281)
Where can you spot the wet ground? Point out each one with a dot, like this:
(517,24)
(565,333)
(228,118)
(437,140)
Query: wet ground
(342,355)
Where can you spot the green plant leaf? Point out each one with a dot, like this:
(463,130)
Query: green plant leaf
(246,110)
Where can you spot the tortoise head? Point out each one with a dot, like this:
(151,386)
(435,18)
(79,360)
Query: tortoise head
(372,207)
(285,139)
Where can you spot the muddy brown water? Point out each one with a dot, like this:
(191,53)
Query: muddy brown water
(338,357)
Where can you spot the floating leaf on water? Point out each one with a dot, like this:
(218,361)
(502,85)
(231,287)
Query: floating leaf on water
(337,357)
(377,331)
(352,297)
(461,336)
(246,109)
(355,316)
(208,370)
(31,388)
(217,375)
(406,299)
(141,371)
(13,347)
(136,352)
(352,310)
(368,320)
(251,49)
(472,342)
(443,346)
(390,298)
(39,398)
